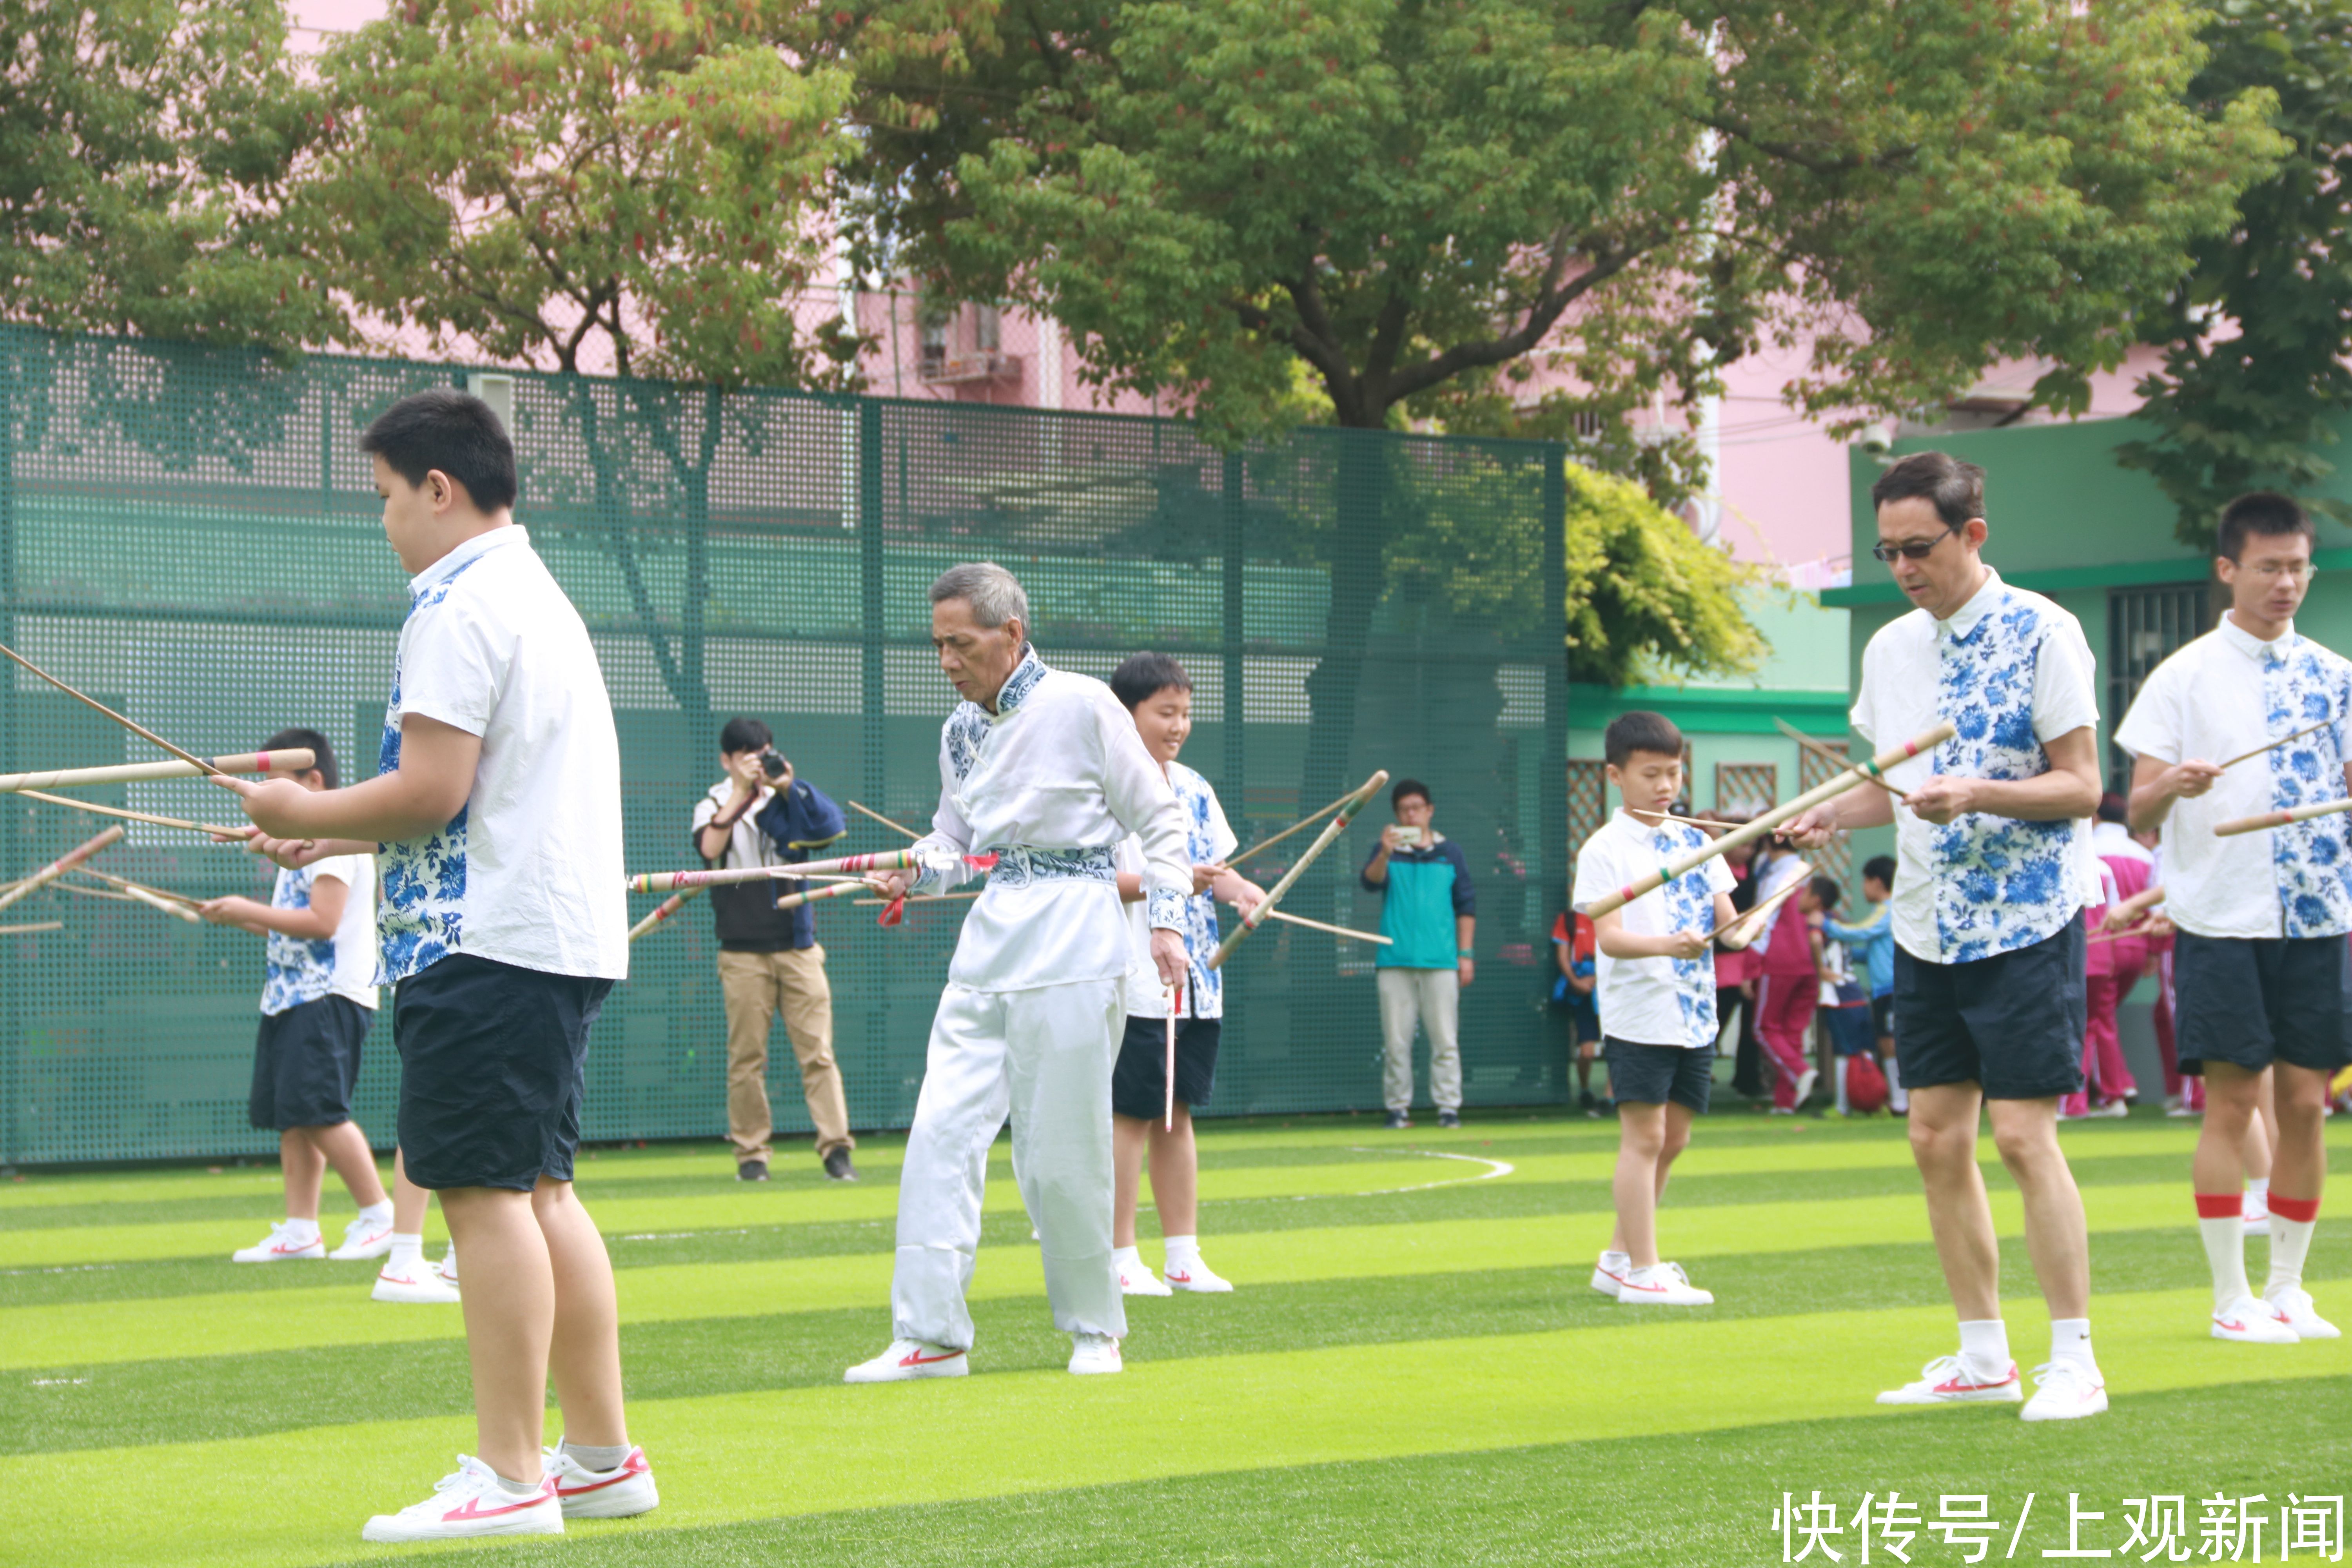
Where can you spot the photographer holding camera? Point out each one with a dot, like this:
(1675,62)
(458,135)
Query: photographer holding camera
(762,814)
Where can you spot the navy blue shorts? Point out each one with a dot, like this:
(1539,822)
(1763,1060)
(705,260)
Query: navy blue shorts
(1653,1075)
(2011,1023)
(1138,1079)
(2253,1001)
(493,1063)
(1850,1034)
(305,1062)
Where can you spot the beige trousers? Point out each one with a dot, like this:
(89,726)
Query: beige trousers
(756,986)
(1432,999)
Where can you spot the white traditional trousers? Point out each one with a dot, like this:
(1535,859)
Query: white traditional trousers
(1043,1057)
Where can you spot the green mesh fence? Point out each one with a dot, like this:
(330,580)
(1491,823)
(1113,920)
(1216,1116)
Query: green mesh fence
(191,537)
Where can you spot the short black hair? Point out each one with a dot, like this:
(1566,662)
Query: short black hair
(2112,809)
(1641,730)
(456,432)
(1956,488)
(1826,891)
(1143,676)
(316,744)
(2265,512)
(1403,787)
(743,734)
(1882,867)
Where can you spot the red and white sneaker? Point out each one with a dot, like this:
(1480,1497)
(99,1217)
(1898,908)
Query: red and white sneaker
(1608,1275)
(2066,1391)
(448,1269)
(907,1360)
(2247,1322)
(1091,1354)
(471,1503)
(284,1244)
(1945,1381)
(1662,1285)
(1136,1279)
(1195,1275)
(412,1282)
(622,1492)
(2292,1303)
(364,1238)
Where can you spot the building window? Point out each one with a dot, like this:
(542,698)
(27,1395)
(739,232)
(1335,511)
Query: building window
(2144,628)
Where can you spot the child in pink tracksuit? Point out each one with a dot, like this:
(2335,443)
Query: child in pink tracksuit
(1787,982)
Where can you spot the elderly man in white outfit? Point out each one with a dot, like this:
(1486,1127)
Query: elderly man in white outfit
(1044,770)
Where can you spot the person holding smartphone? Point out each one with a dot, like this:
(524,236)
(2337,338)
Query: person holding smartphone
(1429,912)
(763,814)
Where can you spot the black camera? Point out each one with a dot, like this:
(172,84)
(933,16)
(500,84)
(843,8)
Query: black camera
(772,763)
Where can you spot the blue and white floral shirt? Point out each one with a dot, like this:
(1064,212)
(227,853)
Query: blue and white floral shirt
(1207,837)
(2223,695)
(1654,1001)
(296,970)
(2012,670)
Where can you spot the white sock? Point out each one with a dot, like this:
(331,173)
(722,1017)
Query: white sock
(1617,1262)
(2070,1340)
(1120,1255)
(301,1229)
(1182,1249)
(449,1262)
(405,1249)
(379,1211)
(1842,1107)
(2290,1239)
(1984,1348)
(2225,1249)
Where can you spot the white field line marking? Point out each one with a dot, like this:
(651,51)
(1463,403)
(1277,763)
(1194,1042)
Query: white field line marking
(59,1382)
(1494,1168)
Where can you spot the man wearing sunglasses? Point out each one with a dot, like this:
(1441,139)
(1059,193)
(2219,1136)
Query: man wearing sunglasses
(1994,845)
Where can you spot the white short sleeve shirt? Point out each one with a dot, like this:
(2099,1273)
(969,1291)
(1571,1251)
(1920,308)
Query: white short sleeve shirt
(530,871)
(343,964)
(1654,1001)
(1207,837)
(2012,670)
(2222,696)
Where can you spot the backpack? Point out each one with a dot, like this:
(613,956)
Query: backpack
(1866,1086)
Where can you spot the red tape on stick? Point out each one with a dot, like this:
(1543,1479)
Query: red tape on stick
(892,912)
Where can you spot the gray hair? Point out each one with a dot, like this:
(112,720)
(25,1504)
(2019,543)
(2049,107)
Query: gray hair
(994,594)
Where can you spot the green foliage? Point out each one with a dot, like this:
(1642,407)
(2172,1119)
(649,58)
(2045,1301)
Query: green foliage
(142,146)
(538,174)
(1643,591)
(2256,337)
(1410,197)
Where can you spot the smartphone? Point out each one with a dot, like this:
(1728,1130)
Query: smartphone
(1408,836)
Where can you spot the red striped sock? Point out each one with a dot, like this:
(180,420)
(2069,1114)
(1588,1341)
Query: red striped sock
(2225,1205)
(2301,1210)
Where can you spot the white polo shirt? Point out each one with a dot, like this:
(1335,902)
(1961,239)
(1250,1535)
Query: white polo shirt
(530,871)
(1654,1001)
(2012,670)
(2220,697)
(296,970)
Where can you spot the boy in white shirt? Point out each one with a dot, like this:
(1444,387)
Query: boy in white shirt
(1157,691)
(505,925)
(1656,987)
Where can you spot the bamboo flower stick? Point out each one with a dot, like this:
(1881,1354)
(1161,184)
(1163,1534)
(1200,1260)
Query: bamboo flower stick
(96,810)
(1300,826)
(885,821)
(76,888)
(127,886)
(33,926)
(1336,931)
(61,864)
(297,760)
(2274,745)
(1825,754)
(672,881)
(138,730)
(1804,875)
(1831,790)
(157,900)
(2236,826)
(1686,821)
(669,907)
(920,898)
(1349,806)
(832,890)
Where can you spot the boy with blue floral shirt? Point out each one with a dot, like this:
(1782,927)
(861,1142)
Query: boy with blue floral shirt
(1993,846)
(1656,988)
(1155,690)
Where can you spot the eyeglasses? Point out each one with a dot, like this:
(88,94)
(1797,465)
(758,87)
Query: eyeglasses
(1911,548)
(2295,572)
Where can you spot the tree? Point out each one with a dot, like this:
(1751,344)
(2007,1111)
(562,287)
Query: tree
(634,183)
(2257,335)
(1415,198)
(142,146)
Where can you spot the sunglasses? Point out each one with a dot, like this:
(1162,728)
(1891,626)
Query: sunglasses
(1911,548)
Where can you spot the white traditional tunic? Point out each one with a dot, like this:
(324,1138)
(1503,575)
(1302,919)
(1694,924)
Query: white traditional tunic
(2222,696)
(1030,1022)
(2012,670)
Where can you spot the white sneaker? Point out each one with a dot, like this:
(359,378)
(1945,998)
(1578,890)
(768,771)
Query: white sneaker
(2247,1322)
(2112,1108)
(280,1246)
(1137,1278)
(449,1269)
(1195,1275)
(2181,1108)
(1805,1082)
(1093,1353)
(2258,1214)
(2292,1303)
(2064,1390)
(1662,1285)
(364,1238)
(622,1492)
(907,1360)
(470,1503)
(1606,1280)
(412,1283)
(1945,1381)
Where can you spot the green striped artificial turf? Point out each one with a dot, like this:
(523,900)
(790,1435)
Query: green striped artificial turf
(1413,1371)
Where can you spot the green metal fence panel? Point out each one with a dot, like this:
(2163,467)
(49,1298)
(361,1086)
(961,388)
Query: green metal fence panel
(192,537)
